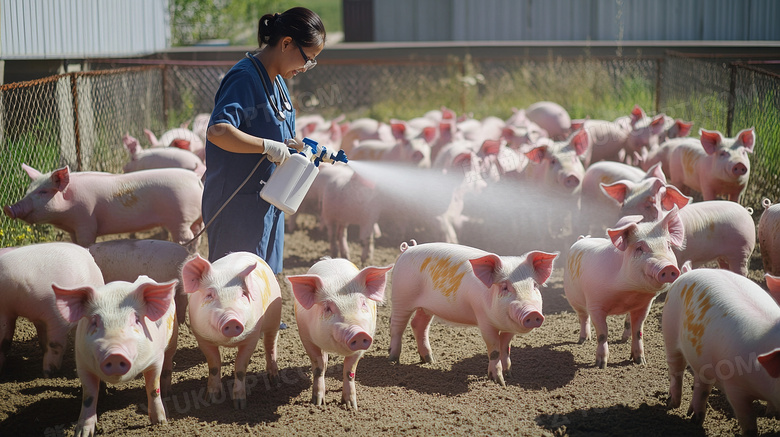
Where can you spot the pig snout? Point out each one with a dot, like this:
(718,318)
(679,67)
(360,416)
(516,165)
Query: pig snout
(115,363)
(739,169)
(529,316)
(571,182)
(13,211)
(664,273)
(417,157)
(357,339)
(230,326)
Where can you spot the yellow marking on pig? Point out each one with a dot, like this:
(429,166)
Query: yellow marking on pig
(171,318)
(575,265)
(265,290)
(444,274)
(606,180)
(696,303)
(126,197)
(689,160)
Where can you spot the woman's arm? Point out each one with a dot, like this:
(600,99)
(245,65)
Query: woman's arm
(229,138)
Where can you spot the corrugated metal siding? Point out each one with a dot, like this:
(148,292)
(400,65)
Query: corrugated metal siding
(55,29)
(567,20)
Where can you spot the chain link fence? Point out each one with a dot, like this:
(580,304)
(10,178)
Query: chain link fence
(78,119)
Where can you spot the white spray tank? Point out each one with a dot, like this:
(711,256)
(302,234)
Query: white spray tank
(290,182)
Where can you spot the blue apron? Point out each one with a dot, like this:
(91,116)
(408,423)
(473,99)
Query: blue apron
(247,223)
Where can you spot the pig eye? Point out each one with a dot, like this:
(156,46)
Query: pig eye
(553,161)
(327,308)
(137,320)
(93,322)
(639,250)
(724,154)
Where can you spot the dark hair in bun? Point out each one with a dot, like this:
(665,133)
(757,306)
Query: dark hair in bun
(302,25)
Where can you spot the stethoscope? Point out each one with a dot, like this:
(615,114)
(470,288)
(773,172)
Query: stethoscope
(286,103)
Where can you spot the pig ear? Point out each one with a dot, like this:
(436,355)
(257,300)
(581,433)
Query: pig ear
(61,178)
(305,289)
(71,302)
(657,125)
(578,124)
(181,143)
(193,272)
(710,140)
(673,197)
(542,263)
(675,226)
(656,171)
(773,284)
(686,267)
(580,141)
(748,138)
(637,114)
(398,128)
(157,297)
(249,285)
(616,190)
(375,280)
(625,226)
(131,143)
(491,147)
(771,362)
(31,172)
(462,160)
(485,268)
(151,137)
(537,153)
(447,113)
(683,128)
(429,133)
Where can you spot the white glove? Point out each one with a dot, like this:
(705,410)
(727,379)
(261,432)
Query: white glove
(294,144)
(277,152)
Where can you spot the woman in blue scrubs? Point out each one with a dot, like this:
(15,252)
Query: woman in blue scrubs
(253,119)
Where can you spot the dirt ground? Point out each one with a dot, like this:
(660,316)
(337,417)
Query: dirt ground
(554,389)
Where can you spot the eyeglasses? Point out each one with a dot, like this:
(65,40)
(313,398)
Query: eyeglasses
(310,63)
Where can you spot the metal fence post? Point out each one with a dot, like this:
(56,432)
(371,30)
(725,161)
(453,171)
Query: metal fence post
(732,98)
(76,133)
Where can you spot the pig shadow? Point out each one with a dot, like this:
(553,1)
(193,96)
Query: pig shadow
(39,418)
(24,362)
(189,399)
(532,369)
(644,420)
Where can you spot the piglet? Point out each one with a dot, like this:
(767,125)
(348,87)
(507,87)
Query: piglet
(726,328)
(713,165)
(90,204)
(769,237)
(160,157)
(467,286)
(335,308)
(124,330)
(232,303)
(622,274)
(26,275)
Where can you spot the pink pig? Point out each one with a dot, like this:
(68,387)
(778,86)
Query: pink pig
(233,302)
(551,117)
(91,204)
(181,138)
(26,275)
(335,308)
(769,237)
(468,286)
(727,329)
(124,330)
(127,259)
(621,275)
(556,164)
(164,157)
(713,165)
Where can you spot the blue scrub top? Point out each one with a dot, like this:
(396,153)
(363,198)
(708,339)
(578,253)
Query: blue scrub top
(247,223)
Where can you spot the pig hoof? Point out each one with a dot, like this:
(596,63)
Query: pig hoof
(239,404)
(316,400)
(349,404)
(601,364)
(394,359)
(508,374)
(582,340)
(273,379)
(427,359)
(698,419)
(639,360)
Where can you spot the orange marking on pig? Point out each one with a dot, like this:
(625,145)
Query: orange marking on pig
(171,318)
(689,160)
(265,289)
(444,274)
(126,197)
(575,265)
(696,303)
